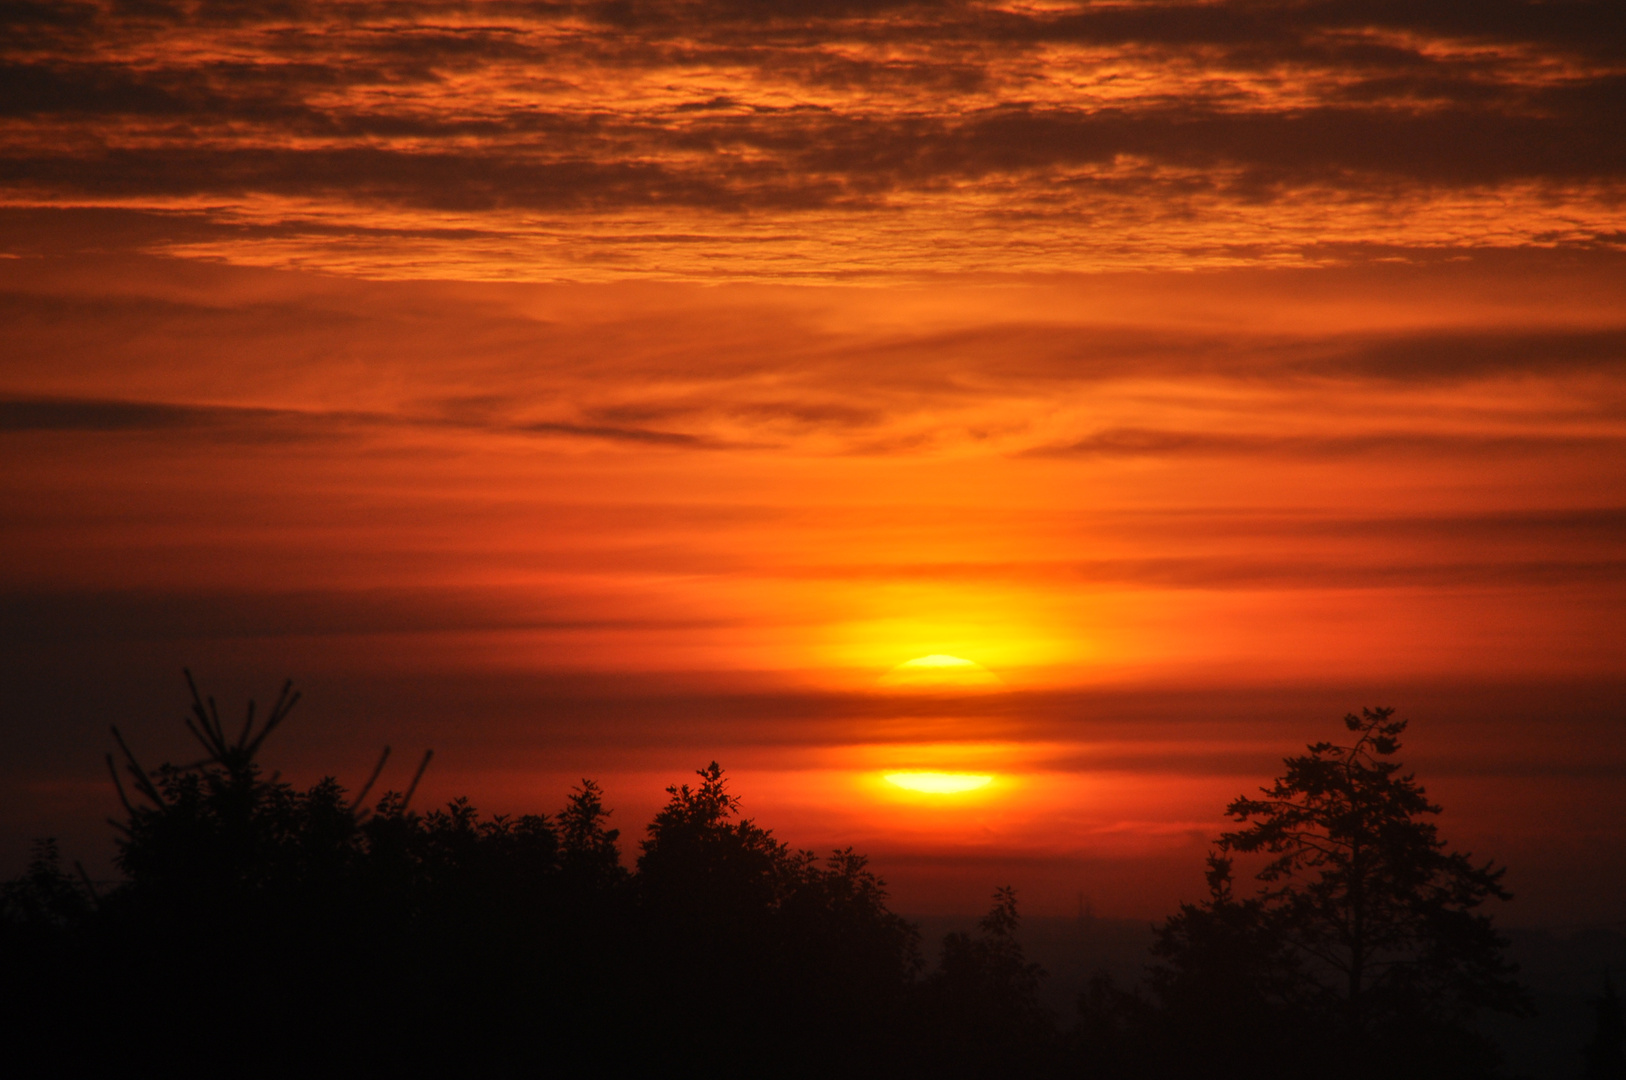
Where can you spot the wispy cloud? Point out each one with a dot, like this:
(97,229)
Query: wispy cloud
(1151,443)
(1106,126)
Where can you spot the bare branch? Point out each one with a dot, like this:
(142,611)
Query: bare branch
(407,798)
(213,721)
(208,745)
(371,780)
(215,743)
(143,782)
(286,700)
(113,771)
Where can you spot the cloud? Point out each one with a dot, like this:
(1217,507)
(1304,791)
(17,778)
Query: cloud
(238,423)
(59,415)
(1431,445)
(1283,571)
(211,423)
(1444,374)
(614,434)
(1124,121)
(1456,354)
(827,162)
(36,618)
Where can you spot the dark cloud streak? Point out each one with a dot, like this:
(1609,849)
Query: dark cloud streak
(34,619)
(1152,443)
(233,423)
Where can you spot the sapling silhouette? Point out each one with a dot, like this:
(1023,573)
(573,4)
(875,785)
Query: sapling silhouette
(46,898)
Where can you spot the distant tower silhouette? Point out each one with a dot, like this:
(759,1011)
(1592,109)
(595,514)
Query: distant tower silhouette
(1085,924)
(1604,1057)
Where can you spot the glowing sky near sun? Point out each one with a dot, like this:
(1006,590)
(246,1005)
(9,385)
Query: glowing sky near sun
(937,783)
(1094,401)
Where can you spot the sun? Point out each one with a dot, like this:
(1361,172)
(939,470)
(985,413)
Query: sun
(941,672)
(938,783)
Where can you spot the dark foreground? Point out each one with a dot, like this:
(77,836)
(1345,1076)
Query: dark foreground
(266,931)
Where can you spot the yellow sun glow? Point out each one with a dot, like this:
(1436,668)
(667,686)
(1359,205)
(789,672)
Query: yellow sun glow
(940,671)
(938,783)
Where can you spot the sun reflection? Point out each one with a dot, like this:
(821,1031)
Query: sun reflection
(939,783)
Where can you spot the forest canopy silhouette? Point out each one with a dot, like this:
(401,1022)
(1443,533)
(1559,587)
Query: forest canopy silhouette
(260,929)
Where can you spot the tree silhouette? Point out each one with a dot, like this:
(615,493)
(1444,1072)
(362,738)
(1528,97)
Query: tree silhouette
(700,858)
(771,951)
(272,927)
(263,929)
(588,849)
(1365,932)
(1605,1059)
(984,1002)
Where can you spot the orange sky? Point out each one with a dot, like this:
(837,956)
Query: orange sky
(603,389)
